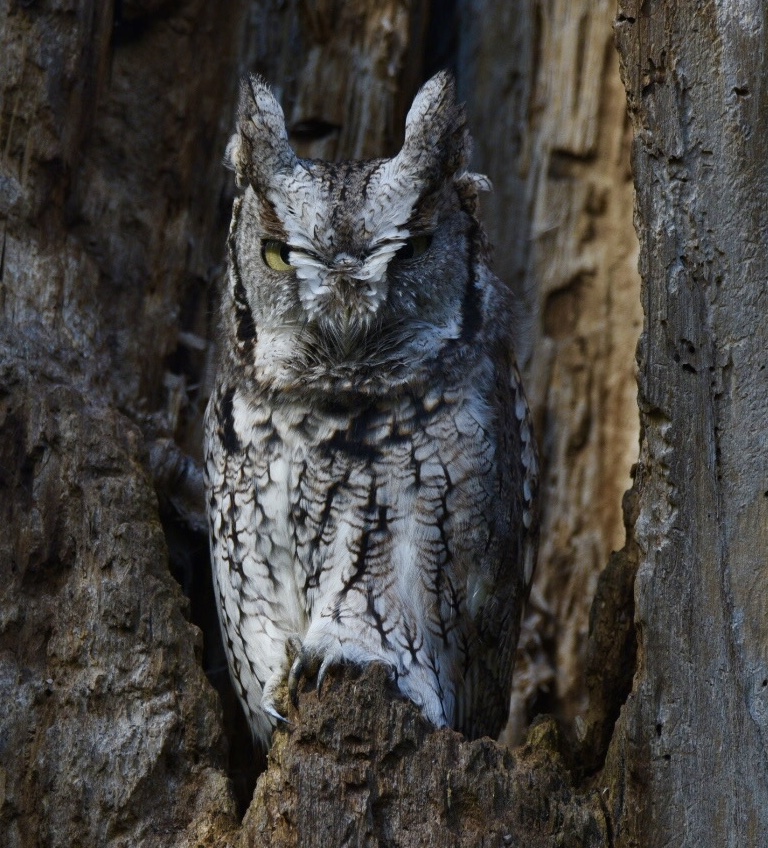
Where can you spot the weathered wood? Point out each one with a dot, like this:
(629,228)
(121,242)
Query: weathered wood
(111,734)
(345,73)
(110,143)
(110,180)
(688,765)
(360,767)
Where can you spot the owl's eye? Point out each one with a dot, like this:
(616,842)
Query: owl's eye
(276,254)
(414,247)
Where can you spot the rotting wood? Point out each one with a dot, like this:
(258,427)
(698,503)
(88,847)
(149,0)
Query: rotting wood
(111,173)
(360,766)
(688,762)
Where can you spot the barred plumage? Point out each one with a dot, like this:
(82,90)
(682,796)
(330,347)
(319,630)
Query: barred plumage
(371,469)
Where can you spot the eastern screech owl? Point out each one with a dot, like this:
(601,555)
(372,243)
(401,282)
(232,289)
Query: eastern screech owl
(371,470)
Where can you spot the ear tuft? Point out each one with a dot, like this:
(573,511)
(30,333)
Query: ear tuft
(436,136)
(259,148)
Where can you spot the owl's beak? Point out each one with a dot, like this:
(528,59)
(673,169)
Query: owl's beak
(348,313)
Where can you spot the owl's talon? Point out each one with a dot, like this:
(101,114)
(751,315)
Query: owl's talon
(321,675)
(270,710)
(292,647)
(297,671)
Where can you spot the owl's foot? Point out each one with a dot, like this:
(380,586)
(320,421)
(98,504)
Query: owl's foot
(313,661)
(274,699)
(307,665)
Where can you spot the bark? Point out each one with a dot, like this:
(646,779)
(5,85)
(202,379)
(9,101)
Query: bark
(688,760)
(362,767)
(345,73)
(114,210)
(111,734)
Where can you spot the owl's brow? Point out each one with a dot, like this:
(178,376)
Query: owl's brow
(400,239)
(373,249)
(304,252)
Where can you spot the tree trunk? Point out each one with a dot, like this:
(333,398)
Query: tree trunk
(362,767)
(113,123)
(688,761)
(110,140)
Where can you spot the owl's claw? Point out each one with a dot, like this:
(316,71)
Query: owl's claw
(271,699)
(322,673)
(270,710)
(294,676)
(305,665)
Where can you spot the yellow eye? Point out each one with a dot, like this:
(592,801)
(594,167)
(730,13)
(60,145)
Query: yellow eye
(276,254)
(414,247)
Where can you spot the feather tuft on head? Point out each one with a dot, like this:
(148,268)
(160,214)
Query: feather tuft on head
(437,142)
(259,148)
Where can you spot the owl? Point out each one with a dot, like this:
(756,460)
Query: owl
(370,466)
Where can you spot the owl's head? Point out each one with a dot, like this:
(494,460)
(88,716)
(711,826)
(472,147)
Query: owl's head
(360,275)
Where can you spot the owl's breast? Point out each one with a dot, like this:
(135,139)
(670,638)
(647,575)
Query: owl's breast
(336,495)
(383,488)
